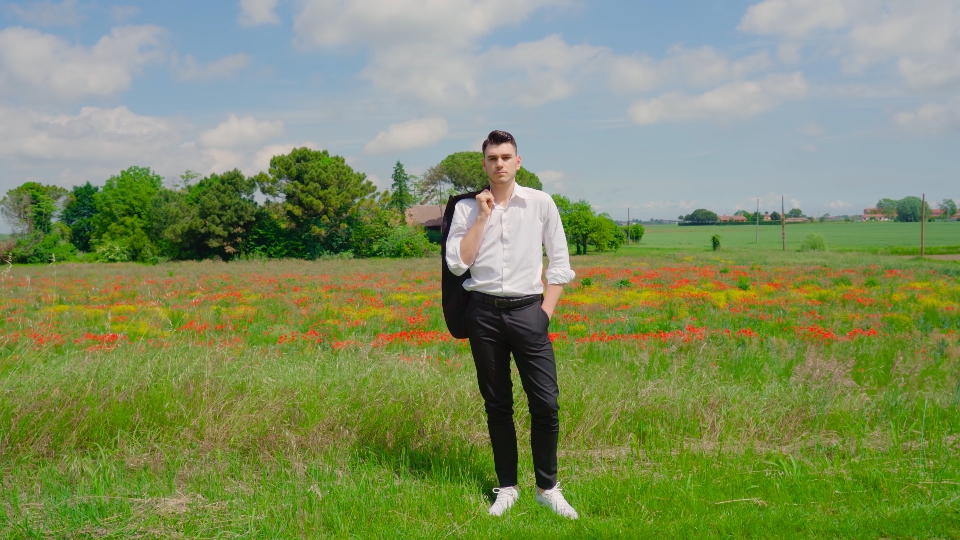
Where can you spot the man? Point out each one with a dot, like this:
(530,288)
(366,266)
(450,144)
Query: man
(498,237)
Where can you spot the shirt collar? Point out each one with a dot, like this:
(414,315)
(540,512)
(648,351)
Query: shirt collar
(520,191)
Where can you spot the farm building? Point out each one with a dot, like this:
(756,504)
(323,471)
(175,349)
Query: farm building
(733,219)
(429,216)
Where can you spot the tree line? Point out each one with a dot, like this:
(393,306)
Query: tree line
(314,204)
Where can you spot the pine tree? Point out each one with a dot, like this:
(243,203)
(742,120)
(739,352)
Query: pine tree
(401,197)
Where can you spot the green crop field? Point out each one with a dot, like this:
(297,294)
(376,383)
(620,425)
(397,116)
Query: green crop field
(736,394)
(840,236)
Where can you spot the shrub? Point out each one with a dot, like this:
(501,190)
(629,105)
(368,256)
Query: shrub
(405,241)
(743,283)
(112,252)
(872,282)
(715,240)
(38,248)
(814,242)
(623,283)
(586,282)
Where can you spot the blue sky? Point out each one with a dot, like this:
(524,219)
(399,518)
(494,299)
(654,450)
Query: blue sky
(660,107)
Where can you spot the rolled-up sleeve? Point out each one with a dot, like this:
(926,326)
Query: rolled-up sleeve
(458,229)
(555,244)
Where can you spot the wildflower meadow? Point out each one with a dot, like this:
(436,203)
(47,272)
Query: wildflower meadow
(703,394)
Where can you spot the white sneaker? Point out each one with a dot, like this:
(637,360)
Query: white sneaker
(505,499)
(553,499)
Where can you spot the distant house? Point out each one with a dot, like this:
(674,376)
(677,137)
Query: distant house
(797,220)
(766,217)
(935,213)
(429,216)
(875,214)
(732,219)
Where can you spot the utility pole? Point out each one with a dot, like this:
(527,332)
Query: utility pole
(783,223)
(923,220)
(757,216)
(628,226)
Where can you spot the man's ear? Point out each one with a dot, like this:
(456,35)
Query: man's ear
(518,161)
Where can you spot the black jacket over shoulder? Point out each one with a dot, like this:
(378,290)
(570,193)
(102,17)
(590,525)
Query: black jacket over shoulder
(454,296)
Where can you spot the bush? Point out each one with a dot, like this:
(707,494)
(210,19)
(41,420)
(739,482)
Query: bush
(872,282)
(586,282)
(814,242)
(405,241)
(743,283)
(38,248)
(715,240)
(112,252)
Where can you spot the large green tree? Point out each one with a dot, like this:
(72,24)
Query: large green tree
(578,221)
(887,207)
(949,209)
(78,214)
(910,209)
(464,171)
(701,215)
(123,213)
(31,207)
(321,194)
(221,211)
(605,234)
(401,196)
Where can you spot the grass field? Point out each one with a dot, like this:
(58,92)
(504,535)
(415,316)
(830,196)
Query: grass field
(741,394)
(840,236)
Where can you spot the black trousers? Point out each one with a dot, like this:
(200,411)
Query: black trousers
(495,333)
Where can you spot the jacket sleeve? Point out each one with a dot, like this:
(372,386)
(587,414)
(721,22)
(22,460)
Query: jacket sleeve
(459,225)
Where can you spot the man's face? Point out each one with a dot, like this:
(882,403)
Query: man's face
(501,163)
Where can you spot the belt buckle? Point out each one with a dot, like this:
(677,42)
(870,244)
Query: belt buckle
(504,300)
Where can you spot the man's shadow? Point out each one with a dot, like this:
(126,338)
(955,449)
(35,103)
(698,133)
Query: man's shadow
(457,461)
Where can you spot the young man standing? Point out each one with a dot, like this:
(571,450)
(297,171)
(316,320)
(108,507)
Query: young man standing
(498,237)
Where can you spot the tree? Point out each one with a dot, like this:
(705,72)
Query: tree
(208,219)
(605,234)
(433,187)
(774,216)
(949,209)
(909,209)
(78,214)
(123,212)
(31,207)
(577,219)
(321,194)
(795,213)
(636,232)
(887,207)
(701,215)
(464,171)
(401,196)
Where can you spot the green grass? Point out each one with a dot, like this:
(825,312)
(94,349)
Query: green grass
(719,438)
(864,236)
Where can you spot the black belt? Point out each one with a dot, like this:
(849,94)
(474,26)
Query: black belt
(507,302)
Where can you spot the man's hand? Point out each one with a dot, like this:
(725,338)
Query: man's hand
(550,298)
(485,203)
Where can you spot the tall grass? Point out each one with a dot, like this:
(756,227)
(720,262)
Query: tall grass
(772,436)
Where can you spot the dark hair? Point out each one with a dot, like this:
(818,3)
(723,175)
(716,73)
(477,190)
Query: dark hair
(497,137)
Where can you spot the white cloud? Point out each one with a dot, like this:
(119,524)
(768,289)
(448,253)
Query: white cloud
(246,131)
(837,204)
(548,69)
(388,23)
(429,50)
(733,100)
(261,160)
(37,66)
(257,12)
(809,148)
(552,179)
(227,67)
(920,39)
(811,129)
(48,13)
(931,118)
(408,135)
(694,67)
(124,13)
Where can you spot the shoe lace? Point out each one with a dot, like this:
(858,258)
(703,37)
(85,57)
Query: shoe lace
(556,497)
(503,494)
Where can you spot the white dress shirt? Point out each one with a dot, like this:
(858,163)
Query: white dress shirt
(510,260)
